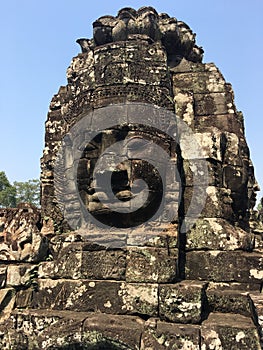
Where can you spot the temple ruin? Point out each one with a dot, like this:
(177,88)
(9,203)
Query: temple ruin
(146,238)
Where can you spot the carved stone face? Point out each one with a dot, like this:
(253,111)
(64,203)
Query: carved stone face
(132,180)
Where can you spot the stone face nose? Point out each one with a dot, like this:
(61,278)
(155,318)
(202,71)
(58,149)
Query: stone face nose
(108,266)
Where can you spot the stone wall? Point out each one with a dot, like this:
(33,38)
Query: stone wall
(191,282)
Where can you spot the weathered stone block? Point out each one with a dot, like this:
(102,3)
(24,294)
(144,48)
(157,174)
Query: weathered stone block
(146,264)
(182,302)
(109,264)
(237,286)
(78,295)
(184,104)
(161,335)
(6,295)
(194,172)
(222,266)
(208,142)
(213,103)
(44,329)
(235,150)
(21,240)
(259,241)
(103,328)
(21,275)
(104,296)
(229,331)
(139,298)
(211,202)
(218,234)
(24,298)
(84,260)
(146,236)
(228,301)
(7,301)
(227,122)
(200,82)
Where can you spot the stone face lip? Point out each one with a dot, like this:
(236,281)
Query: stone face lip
(176,36)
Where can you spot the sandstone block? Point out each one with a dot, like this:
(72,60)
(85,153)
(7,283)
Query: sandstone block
(194,172)
(231,123)
(226,301)
(103,328)
(218,234)
(213,103)
(225,266)
(21,275)
(182,302)
(7,302)
(83,261)
(211,202)
(229,331)
(109,264)
(146,264)
(44,329)
(104,296)
(161,335)
(199,82)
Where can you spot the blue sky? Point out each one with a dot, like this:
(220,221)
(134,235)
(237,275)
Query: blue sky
(38,43)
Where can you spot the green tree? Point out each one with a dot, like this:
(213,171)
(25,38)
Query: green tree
(13,194)
(28,191)
(7,192)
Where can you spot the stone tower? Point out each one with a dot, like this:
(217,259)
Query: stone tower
(144,240)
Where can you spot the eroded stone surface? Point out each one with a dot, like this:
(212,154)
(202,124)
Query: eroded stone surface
(161,335)
(229,331)
(151,265)
(20,236)
(218,234)
(221,266)
(104,296)
(182,302)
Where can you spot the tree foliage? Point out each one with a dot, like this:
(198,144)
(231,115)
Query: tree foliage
(13,194)
(7,192)
(27,191)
